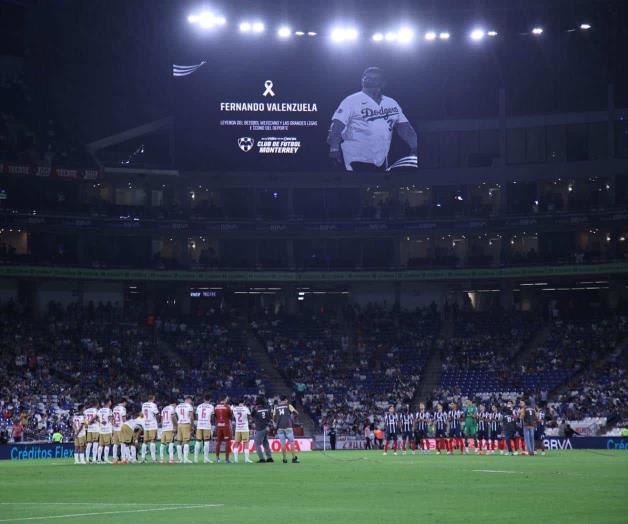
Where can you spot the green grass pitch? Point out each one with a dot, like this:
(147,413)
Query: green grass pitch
(346,487)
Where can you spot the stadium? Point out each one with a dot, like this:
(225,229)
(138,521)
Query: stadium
(313,261)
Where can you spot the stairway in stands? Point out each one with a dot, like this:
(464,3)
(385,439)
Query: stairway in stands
(277,384)
(433,369)
(537,341)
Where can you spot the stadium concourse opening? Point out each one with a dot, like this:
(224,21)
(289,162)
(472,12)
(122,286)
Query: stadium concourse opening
(313,262)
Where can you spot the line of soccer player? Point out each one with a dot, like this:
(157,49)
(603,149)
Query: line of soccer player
(498,428)
(102,427)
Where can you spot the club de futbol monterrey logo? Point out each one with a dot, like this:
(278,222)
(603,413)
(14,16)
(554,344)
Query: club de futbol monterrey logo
(246,143)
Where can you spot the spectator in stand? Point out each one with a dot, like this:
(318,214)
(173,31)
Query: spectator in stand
(17,434)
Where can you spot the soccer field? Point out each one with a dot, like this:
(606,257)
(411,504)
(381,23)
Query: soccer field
(347,487)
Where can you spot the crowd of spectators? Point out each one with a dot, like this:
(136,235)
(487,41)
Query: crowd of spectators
(51,365)
(344,367)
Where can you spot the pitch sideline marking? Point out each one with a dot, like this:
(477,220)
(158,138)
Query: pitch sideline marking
(94,504)
(96,513)
(493,471)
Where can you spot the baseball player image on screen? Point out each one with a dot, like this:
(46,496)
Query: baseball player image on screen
(362,127)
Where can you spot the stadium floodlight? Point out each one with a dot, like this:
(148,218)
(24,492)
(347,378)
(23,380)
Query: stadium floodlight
(206,19)
(193,19)
(258,27)
(444,35)
(430,36)
(405,35)
(245,27)
(299,33)
(537,31)
(390,36)
(344,34)
(377,37)
(585,26)
(284,32)
(221,20)
(312,33)
(477,34)
(492,33)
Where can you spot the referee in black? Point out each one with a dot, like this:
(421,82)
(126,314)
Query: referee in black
(262,416)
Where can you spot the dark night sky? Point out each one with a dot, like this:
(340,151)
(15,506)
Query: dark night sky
(104,64)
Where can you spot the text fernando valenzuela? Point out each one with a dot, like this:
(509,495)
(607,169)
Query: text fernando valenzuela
(268,106)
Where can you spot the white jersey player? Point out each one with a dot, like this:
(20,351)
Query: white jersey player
(168,418)
(127,437)
(185,414)
(241,414)
(106,431)
(119,417)
(93,432)
(150,413)
(78,428)
(204,414)
(364,123)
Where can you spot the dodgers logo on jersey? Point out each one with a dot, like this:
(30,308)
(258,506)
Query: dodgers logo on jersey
(246,143)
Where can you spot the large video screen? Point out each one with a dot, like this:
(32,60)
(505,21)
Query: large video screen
(260,108)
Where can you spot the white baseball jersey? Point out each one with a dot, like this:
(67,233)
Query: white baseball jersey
(91,416)
(78,424)
(150,412)
(119,414)
(184,413)
(167,419)
(368,127)
(104,414)
(204,413)
(241,415)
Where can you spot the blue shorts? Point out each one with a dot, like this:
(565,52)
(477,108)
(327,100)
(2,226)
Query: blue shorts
(391,435)
(285,434)
(440,433)
(455,432)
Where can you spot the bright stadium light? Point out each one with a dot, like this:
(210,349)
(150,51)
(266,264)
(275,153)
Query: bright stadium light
(430,36)
(206,19)
(344,34)
(377,37)
(390,36)
(352,34)
(245,27)
(312,33)
(537,31)
(585,26)
(492,33)
(444,35)
(258,27)
(405,35)
(284,32)
(299,33)
(477,34)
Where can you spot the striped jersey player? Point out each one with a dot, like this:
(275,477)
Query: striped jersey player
(391,425)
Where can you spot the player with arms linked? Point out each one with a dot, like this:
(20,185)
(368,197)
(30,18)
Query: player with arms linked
(282,417)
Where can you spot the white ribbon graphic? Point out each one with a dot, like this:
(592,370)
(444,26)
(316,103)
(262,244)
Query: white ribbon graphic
(269,88)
